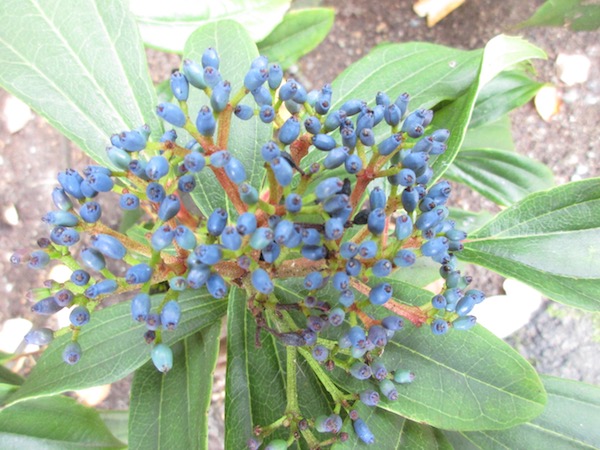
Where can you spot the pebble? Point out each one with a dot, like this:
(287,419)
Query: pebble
(16,114)
(573,69)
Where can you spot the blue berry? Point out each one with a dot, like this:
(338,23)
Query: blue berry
(171,113)
(323,142)
(70,181)
(282,170)
(313,252)
(310,236)
(377,336)
(39,336)
(72,353)
(348,250)
(243,112)
(367,249)
(210,57)
(220,96)
(231,239)
(235,171)
(101,288)
(209,254)
(255,78)
(246,223)
(169,207)
(336,317)
(293,203)
(80,277)
(170,315)
(108,246)
(197,276)
(162,237)
(155,192)
(380,294)
(79,316)
(379,370)
(271,252)
(404,258)
(353,164)
(177,283)
(353,267)
(439,326)
(138,274)
(38,259)
(157,167)
(289,131)
(46,306)
(152,321)
(61,200)
(328,187)
(129,202)
(216,286)
(275,76)
(336,157)
(313,281)
(162,357)
(382,268)
(369,397)
(334,228)
(205,122)
(360,371)
(376,221)
(194,162)
(179,86)
(262,282)
(348,137)
(60,218)
(216,222)
(464,323)
(93,259)
(320,353)
(341,281)
(63,298)
(262,96)
(140,307)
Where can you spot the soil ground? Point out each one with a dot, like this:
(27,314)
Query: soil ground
(559,340)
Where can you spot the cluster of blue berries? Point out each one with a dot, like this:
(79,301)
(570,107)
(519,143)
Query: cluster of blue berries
(323,221)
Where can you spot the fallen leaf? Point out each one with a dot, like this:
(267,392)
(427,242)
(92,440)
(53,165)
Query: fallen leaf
(435,10)
(547,102)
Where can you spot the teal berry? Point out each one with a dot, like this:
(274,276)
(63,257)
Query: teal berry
(162,357)
(464,323)
(248,193)
(194,73)
(277,444)
(404,376)
(388,389)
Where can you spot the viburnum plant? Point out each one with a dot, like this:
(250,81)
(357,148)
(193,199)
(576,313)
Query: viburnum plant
(307,222)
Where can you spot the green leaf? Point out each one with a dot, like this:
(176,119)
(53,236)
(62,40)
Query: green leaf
(54,423)
(557,13)
(112,347)
(167,27)
(90,81)
(507,91)
(9,377)
(502,176)
(171,410)
(236,51)
(488,386)
(500,53)
(549,240)
(569,421)
(496,134)
(392,432)
(299,33)
(116,421)
(256,378)
(423,272)
(6,390)
(469,221)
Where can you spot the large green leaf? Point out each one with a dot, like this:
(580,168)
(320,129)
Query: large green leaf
(549,240)
(9,377)
(256,378)
(464,380)
(578,16)
(499,54)
(171,410)
(299,33)
(112,347)
(236,51)
(569,421)
(502,176)
(507,91)
(81,65)
(496,134)
(116,420)
(167,25)
(54,423)
(393,432)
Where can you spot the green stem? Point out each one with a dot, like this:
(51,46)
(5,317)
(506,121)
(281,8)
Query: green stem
(336,394)
(291,388)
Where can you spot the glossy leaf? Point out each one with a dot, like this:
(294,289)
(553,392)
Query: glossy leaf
(569,421)
(499,54)
(578,16)
(171,410)
(496,134)
(299,33)
(549,241)
(54,423)
(167,26)
(113,347)
(453,388)
(90,81)
(392,432)
(236,51)
(502,176)
(505,92)
(256,378)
